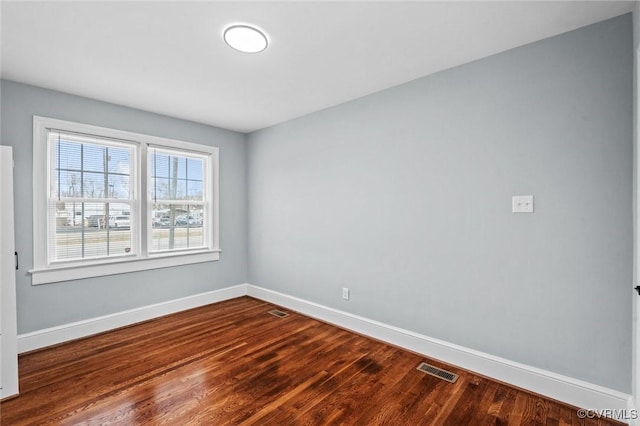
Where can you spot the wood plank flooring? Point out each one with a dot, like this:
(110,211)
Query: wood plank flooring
(232,363)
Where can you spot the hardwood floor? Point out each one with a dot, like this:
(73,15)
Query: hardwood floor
(233,363)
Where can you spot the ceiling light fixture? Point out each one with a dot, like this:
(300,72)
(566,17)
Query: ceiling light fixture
(245,38)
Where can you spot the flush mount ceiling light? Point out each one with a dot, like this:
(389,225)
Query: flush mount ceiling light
(245,38)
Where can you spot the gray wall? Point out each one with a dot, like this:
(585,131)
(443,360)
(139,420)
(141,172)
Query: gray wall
(59,303)
(404,196)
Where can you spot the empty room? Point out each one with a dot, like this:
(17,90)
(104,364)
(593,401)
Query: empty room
(319,213)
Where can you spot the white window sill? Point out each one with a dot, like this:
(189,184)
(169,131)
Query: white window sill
(74,272)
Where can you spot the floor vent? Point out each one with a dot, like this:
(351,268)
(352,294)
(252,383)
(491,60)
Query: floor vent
(438,372)
(278,313)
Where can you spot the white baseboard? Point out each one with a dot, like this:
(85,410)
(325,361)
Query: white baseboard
(63,333)
(562,388)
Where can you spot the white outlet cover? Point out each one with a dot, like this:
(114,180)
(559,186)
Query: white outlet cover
(522,204)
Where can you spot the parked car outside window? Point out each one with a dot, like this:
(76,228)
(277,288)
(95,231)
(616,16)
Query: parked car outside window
(78,220)
(119,222)
(190,220)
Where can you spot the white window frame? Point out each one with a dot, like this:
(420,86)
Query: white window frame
(47,272)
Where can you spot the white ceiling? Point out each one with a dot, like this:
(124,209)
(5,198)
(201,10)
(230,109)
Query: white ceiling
(169,57)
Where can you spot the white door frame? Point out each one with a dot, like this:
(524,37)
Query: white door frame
(8,338)
(635,369)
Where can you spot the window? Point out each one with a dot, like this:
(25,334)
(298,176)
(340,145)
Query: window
(108,201)
(177,200)
(90,181)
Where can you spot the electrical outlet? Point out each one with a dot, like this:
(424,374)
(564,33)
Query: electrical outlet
(345,293)
(522,204)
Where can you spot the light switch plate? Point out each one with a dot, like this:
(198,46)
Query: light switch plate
(522,204)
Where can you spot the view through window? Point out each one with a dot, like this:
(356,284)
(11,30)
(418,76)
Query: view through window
(109,201)
(90,205)
(177,200)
